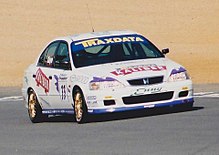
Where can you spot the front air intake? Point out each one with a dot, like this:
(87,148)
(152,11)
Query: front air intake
(148,98)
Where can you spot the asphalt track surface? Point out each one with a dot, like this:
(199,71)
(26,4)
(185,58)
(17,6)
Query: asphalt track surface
(152,132)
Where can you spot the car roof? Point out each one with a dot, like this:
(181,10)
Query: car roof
(90,35)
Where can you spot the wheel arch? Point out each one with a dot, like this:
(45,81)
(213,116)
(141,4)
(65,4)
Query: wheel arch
(76,87)
(29,90)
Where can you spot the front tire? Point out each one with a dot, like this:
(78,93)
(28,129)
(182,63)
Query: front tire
(80,108)
(34,108)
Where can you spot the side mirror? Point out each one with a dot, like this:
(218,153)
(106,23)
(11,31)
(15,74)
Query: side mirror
(165,51)
(63,64)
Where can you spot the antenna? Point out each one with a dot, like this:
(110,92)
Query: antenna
(90,18)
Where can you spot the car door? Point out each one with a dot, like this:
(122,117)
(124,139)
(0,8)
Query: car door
(60,86)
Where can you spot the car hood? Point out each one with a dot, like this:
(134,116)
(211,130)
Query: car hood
(135,69)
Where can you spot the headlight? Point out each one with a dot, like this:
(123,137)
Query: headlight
(178,75)
(104,83)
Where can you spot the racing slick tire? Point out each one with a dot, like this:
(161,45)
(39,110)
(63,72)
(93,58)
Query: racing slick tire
(80,108)
(34,109)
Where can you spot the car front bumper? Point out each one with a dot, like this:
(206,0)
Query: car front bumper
(120,109)
(152,96)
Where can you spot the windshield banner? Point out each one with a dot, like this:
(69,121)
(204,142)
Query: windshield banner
(80,45)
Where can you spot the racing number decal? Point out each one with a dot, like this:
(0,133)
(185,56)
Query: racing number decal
(63,92)
(61,88)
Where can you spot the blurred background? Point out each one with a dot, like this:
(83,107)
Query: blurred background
(188,27)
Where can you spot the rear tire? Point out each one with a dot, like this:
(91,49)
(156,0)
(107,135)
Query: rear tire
(80,108)
(34,108)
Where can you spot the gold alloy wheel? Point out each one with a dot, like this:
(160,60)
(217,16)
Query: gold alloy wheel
(78,107)
(32,105)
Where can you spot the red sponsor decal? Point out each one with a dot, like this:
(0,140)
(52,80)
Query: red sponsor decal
(140,68)
(42,80)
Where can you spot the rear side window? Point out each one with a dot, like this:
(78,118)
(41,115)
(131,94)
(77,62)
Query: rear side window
(46,58)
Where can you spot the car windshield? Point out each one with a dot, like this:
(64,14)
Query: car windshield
(112,49)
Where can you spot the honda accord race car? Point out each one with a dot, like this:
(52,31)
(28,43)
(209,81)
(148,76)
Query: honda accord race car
(103,72)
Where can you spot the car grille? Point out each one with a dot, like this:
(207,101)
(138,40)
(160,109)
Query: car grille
(148,98)
(146,81)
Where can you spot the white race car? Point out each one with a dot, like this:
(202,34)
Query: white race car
(103,72)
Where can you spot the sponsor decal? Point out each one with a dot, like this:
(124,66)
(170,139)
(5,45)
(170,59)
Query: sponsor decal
(106,41)
(176,71)
(142,91)
(91,97)
(102,41)
(57,82)
(42,80)
(178,74)
(91,100)
(139,68)
(63,76)
(103,82)
(79,78)
(99,79)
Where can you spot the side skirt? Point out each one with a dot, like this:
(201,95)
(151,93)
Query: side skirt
(57,111)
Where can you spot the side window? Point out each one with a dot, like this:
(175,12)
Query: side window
(61,59)
(46,58)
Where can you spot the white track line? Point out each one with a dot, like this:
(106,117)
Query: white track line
(207,94)
(12,98)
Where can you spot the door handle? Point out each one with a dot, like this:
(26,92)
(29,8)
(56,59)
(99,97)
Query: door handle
(50,77)
(34,75)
